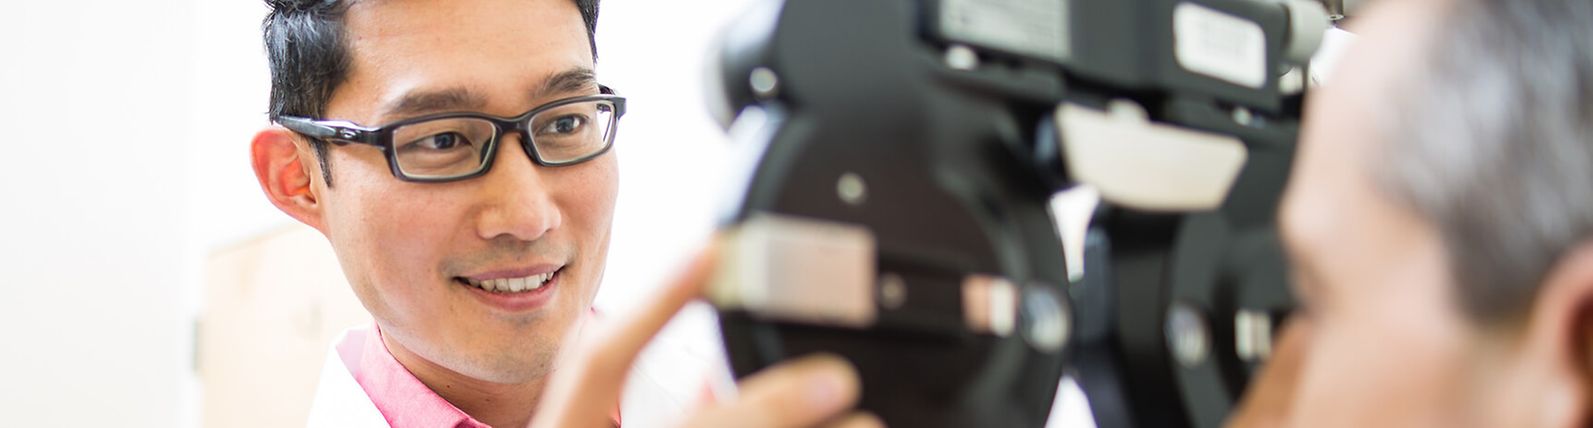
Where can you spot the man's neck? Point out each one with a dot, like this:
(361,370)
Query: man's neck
(501,405)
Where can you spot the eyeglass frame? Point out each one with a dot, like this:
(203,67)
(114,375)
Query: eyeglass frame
(342,133)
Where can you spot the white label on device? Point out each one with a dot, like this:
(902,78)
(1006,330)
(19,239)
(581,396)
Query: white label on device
(1216,44)
(1030,27)
(1146,165)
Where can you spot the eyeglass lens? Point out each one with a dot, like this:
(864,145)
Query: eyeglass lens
(453,147)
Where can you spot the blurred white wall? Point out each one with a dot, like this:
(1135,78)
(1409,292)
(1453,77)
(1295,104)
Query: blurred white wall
(671,152)
(94,112)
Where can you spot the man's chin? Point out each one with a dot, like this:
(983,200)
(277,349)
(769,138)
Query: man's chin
(504,348)
(532,367)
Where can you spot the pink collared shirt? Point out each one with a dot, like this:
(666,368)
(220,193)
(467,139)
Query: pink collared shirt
(402,399)
(362,386)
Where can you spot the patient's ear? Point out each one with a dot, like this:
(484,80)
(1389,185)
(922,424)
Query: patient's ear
(1559,342)
(287,171)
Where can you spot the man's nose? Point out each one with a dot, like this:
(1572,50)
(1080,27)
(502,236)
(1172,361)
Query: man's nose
(520,200)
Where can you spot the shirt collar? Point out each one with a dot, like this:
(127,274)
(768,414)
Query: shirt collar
(403,400)
(401,397)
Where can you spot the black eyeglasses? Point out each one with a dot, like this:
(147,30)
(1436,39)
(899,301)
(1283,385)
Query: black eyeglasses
(456,146)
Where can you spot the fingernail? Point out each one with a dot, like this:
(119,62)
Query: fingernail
(827,387)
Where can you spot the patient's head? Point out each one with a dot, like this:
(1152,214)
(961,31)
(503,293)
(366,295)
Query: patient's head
(1439,219)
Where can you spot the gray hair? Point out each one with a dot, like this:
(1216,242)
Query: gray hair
(1491,138)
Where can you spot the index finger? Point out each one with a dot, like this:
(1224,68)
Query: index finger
(585,390)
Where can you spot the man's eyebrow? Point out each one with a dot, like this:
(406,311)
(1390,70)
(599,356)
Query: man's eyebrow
(572,81)
(435,101)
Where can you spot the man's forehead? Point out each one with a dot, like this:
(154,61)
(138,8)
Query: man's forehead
(412,30)
(486,55)
(1394,39)
(457,12)
(1342,141)
(1335,193)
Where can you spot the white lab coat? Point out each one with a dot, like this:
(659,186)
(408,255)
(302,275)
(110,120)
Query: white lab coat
(668,379)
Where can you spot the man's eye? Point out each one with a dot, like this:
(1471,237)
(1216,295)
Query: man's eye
(440,142)
(563,125)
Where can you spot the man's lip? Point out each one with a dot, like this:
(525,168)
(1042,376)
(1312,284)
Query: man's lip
(520,272)
(518,302)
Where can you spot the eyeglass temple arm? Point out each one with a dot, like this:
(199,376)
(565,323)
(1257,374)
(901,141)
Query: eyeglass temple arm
(307,127)
(619,107)
(331,132)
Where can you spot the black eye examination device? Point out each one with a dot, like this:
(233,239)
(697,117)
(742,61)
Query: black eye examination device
(899,162)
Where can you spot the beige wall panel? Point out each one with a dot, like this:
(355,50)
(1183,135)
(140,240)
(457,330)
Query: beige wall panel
(272,307)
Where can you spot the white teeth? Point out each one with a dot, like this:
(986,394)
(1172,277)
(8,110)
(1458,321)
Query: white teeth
(512,285)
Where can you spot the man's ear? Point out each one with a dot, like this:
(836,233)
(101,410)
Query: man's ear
(1559,340)
(285,168)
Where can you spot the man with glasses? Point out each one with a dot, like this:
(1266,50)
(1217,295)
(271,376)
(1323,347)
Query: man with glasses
(458,155)
(444,147)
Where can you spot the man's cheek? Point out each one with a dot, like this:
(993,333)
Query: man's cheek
(407,243)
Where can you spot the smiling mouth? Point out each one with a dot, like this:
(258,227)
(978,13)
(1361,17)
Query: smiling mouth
(511,285)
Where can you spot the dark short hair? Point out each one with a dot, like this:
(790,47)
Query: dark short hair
(1490,136)
(304,43)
